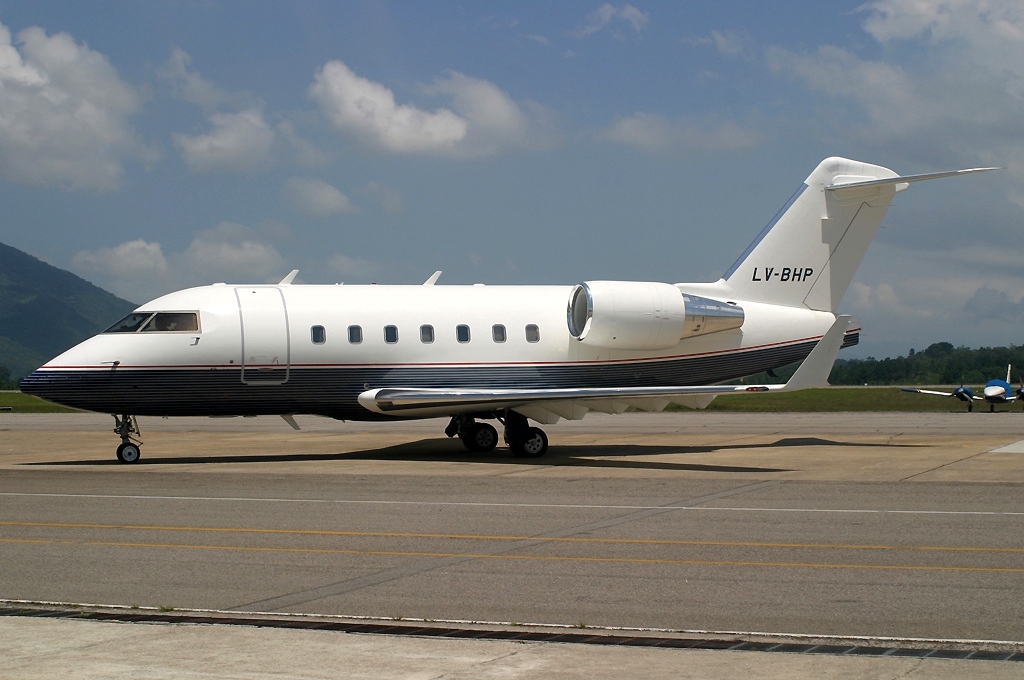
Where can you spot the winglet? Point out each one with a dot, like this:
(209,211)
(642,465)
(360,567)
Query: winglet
(813,372)
(433,278)
(290,419)
(287,281)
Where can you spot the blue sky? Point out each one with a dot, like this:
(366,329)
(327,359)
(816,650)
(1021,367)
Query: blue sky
(150,146)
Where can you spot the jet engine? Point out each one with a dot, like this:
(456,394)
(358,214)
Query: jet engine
(640,315)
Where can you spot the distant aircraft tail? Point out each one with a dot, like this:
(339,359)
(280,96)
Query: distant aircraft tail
(808,254)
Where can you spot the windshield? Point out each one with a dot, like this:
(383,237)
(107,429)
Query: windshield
(159,322)
(173,321)
(130,323)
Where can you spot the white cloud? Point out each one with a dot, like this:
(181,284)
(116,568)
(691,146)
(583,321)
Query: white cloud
(914,296)
(232,251)
(192,87)
(727,43)
(129,260)
(494,121)
(656,133)
(305,152)
(367,110)
(240,141)
(963,82)
(537,38)
(353,267)
(316,198)
(139,270)
(390,200)
(482,120)
(613,18)
(64,114)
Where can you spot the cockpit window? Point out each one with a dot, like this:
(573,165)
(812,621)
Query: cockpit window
(181,322)
(130,323)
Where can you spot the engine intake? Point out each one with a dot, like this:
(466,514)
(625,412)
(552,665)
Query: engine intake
(640,315)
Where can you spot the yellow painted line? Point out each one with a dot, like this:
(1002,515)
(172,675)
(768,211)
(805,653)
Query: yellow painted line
(485,537)
(550,558)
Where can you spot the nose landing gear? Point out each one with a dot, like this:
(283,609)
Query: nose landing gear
(130,450)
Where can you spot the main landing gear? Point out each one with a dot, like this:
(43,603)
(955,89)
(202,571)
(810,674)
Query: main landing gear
(130,450)
(523,440)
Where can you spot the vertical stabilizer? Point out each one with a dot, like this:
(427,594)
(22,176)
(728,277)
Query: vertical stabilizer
(808,254)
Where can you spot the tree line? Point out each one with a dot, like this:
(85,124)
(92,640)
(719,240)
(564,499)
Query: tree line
(939,364)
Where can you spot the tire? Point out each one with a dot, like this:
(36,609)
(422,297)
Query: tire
(481,438)
(129,453)
(533,445)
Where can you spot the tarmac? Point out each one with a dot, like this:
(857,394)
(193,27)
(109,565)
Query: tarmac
(821,537)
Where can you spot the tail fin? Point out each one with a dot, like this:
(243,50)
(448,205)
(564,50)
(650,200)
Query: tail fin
(808,254)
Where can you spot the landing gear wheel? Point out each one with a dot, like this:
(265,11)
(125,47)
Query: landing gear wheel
(128,453)
(481,437)
(534,444)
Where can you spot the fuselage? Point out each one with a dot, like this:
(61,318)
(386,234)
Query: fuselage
(283,349)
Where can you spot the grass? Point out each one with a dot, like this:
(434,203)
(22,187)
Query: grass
(26,403)
(840,399)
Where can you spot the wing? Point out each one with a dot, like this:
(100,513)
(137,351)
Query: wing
(547,405)
(940,394)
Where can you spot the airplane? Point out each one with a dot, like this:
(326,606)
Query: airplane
(474,353)
(996,391)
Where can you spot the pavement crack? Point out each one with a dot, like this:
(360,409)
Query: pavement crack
(481,664)
(939,467)
(913,669)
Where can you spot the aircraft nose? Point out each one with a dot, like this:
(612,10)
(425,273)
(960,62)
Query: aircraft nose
(995,392)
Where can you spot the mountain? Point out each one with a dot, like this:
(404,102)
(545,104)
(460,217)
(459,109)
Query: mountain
(45,310)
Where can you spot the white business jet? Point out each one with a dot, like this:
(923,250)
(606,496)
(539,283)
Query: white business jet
(502,353)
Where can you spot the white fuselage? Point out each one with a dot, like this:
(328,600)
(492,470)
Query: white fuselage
(256,350)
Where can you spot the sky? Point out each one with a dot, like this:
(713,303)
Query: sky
(150,146)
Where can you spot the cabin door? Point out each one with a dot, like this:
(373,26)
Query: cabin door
(265,350)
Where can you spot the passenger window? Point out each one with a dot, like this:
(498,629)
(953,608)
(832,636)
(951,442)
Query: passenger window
(130,323)
(532,333)
(426,334)
(318,334)
(391,334)
(166,322)
(498,332)
(355,334)
(462,333)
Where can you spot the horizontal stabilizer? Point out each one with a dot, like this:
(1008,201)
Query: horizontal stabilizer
(906,179)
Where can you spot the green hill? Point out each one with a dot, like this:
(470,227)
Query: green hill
(45,310)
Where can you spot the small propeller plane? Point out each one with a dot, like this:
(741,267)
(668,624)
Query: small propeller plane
(996,391)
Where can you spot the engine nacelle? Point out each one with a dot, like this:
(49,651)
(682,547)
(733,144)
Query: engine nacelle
(641,315)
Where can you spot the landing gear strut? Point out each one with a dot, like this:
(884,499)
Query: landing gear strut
(130,450)
(477,437)
(523,440)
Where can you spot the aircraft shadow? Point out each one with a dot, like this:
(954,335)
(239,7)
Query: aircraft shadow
(452,451)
